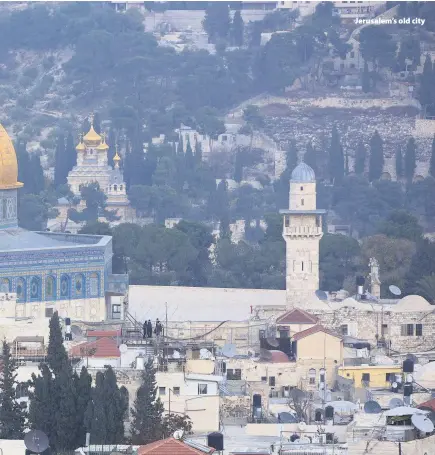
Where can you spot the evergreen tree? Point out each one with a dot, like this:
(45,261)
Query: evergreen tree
(237,29)
(111,142)
(198,153)
(97,123)
(57,358)
(71,153)
(134,168)
(60,162)
(189,159)
(12,415)
(410,159)
(86,125)
(23,159)
(217,21)
(376,161)
(43,403)
(84,394)
(221,203)
(310,157)
(115,411)
(291,157)
(336,158)
(399,163)
(346,163)
(147,422)
(224,227)
(96,418)
(238,167)
(360,158)
(426,91)
(365,79)
(432,159)
(35,179)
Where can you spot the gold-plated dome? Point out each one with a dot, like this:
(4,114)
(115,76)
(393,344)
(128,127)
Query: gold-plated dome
(103,145)
(92,135)
(116,158)
(81,146)
(8,163)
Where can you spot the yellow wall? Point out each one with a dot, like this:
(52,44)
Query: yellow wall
(377,374)
(294,328)
(320,345)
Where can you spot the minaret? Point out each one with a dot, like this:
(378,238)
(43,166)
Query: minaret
(375,282)
(302,231)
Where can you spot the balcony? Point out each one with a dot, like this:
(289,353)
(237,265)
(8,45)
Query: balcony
(303,231)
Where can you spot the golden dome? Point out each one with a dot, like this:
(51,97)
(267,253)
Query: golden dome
(116,158)
(103,145)
(92,135)
(8,163)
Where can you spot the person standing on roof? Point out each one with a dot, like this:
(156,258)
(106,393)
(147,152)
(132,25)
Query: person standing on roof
(149,328)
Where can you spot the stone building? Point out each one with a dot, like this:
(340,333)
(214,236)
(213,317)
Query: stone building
(41,272)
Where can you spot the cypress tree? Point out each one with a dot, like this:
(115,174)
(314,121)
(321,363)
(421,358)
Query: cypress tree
(97,123)
(134,168)
(376,161)
(365,79)
(97,419)
(221,202)
(198,153)
(238,167)
(71,153)
(111,142)
(86,125)
(360,158)
(23,160)
(310,157)
(36,180)
(410,159)
(190,161)
(60,162)
(426,92)
(399,163)
(432,159)
(291,157)
(336,157)
(146,425)
(224,227)
(84,395)
(237,29)
(12,415)
(115,411)
(57,358)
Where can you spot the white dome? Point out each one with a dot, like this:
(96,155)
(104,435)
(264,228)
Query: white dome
(303,173)
(412,303)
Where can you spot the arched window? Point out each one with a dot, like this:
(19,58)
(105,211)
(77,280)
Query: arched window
(35,288)
(50,288)
(79,285)
(302,202)
(5,285)
(115,187)
(302,266)
(94,282)
(302,188)
(64,286)
(120,187)
(21,290)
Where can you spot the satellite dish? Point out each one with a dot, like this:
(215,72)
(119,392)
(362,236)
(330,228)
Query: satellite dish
(178,434)
(229,350)
(287,417)
(272,342)
(176,355)
(204,354)
(321,295)
(422,423)
(395,290)
(123,348)
(36,441)
(265,355)
(395,403)
(372,407)
(302,426)
(304,440)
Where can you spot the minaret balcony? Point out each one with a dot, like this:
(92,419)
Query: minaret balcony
(303,231)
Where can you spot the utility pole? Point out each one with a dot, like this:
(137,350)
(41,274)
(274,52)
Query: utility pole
(166,330)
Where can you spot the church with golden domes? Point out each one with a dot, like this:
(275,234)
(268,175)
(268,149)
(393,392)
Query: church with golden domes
(93,166)
(43,272)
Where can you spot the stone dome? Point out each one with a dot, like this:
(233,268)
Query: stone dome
(8,163)
(303,173)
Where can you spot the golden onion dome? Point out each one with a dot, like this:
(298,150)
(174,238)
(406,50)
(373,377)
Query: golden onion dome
(103,145)
(8,163)
(81,147)
(92,135)
(116,158)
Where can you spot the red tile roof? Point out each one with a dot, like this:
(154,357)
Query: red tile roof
(103,347)
(170,446)
(297,316)
(279,357)
(312,331)
(430,404)
(103,333)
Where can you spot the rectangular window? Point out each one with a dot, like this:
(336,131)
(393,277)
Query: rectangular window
(344,329)
(365,377)
(284,333)
(49,312)
(176,390)
(272,381)
(116,311)
(202,389)
(352,54)
(418,330)
(384,329)
(162,391)
(390,377)
(263,378)
(407,330)
(312,381)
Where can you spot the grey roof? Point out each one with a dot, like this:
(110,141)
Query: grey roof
(20,239)
(116,177)
(303,173)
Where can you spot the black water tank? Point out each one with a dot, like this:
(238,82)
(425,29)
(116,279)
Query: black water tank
(67,321)
(329,412)
(408,366)
(360,280)
(216,441)
(256,401)
(407,390)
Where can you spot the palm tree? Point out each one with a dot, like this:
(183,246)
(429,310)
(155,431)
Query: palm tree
(426,288)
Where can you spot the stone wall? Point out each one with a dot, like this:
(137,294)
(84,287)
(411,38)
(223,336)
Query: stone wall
(236,407)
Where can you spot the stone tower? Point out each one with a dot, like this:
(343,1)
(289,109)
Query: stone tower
(302,231)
